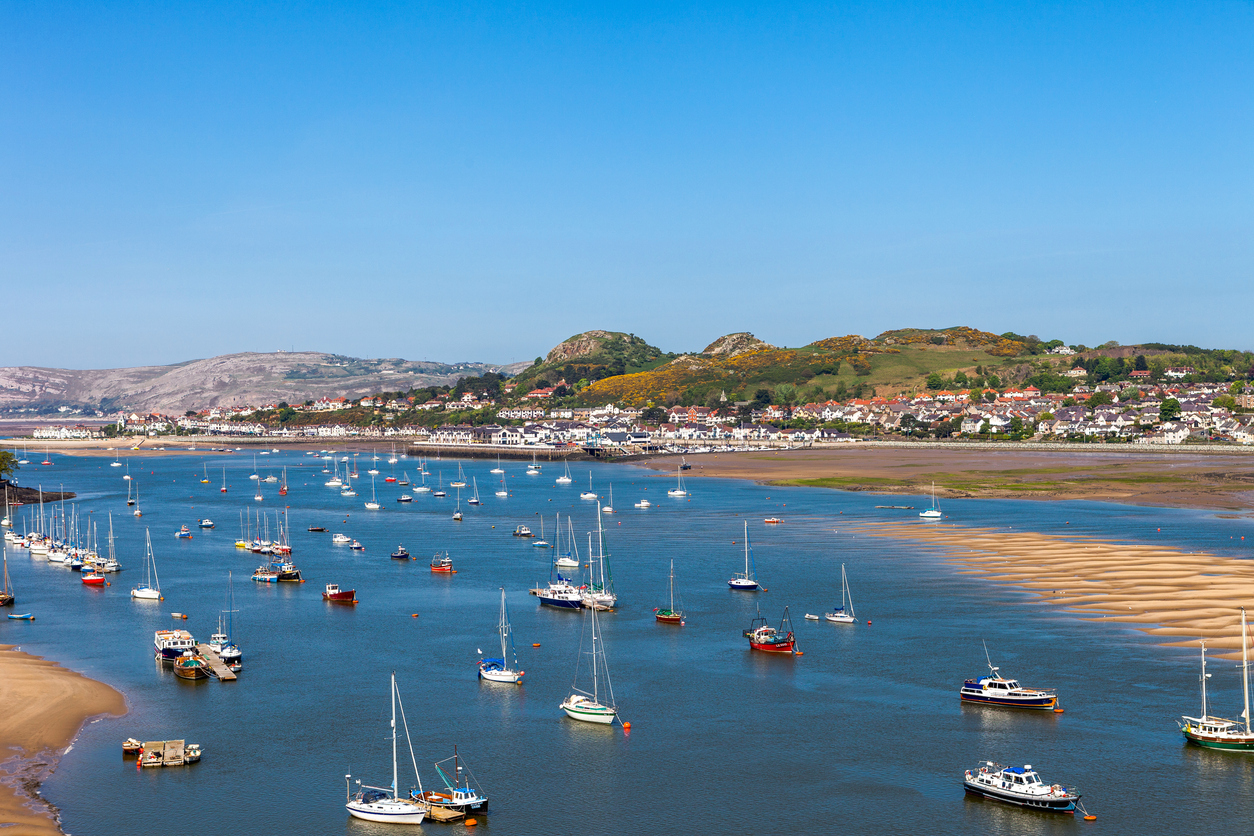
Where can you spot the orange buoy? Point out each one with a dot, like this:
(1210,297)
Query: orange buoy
(1058,711)
(626,725)
(415,615)
(537,644)
(471,822)
(868,622)
(1090,818)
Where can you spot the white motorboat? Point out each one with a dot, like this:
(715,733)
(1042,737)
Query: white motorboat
(644,503)
(341,538)
(375,803)
(996,689)
(500,670)
(1021,786)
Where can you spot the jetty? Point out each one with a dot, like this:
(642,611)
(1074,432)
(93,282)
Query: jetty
(443,815)
(168,753)
(215,664)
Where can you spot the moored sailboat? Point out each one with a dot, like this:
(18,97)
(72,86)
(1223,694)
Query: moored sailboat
(588,706)
(373,803)
(670,615)
(747,579)
(933,513)
(500,670)
(844,613)
(1216,732)
(150,589)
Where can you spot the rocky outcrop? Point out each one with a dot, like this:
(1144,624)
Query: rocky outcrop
(742,342)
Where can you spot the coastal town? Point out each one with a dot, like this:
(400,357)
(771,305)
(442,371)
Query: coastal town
(1173,410)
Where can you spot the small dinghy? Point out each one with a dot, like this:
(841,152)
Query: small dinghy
(811,617)
(24,616)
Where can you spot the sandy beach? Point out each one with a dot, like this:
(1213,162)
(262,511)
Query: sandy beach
(1130,476)
(44,707)
(1179,596)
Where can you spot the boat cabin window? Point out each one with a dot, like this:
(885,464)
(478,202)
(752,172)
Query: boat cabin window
(1012,684)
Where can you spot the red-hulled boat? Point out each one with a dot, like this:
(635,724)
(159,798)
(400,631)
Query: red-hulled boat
(769,639)
(442,563)
(335,595)
(93,578)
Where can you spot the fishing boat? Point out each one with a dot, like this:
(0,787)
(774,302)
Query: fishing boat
(844,614)
(747,579)
(1216,732)
(589,493)
(772,521)
(265,574)
(373,504)
(287,571)
(339,538)
(769,639)
(335,595)
(191,667)
(460,482)
(564,479)
(170,645)
(404,498)
(374,803)
(184,533)
(995,689)
(933,513)
(357,547)
(400,554)
(670,615)
(683,464)
(679,489)
(588,706)
(150,589)
(92,578)
(204,524)
(321,528)
(7,598)
(644,503)
(222,642)
(522,531)
(458,795)
(441,562)
(497,670)
(474,500)
(1021,786)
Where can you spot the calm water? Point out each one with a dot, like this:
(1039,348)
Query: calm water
(863,734)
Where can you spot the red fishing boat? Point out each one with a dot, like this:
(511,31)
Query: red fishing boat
(442,563)
(93,578)
(768,639)
(335,595)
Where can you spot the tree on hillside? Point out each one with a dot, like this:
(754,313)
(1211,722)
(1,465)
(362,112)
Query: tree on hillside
(1100,399)
(8,464)
(785,393)
(1140,364)
(1170,410)
(935,381)
(762,398)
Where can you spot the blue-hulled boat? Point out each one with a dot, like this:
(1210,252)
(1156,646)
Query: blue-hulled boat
(995,689)
(560,593)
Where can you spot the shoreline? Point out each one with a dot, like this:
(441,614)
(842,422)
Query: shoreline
(1204,480)
(46,707)
(1179,597)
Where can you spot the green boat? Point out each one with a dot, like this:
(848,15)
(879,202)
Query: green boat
(1217,732)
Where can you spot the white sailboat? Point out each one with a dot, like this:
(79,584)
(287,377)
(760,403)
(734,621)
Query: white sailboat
(588,706)
(678,490)
(609,508)
(568,559)
(460,482)
(501,491)
(599,593)
(844,614)
(116,461)
(540,542)
(499,670)
(498,469)
(374,803)
(744,580)
(150,589)
(474,500)
(1216,732)
(933,513)
(534,469)
(373,504)
(589,493)
(423,488)
(565,479)
(457,511)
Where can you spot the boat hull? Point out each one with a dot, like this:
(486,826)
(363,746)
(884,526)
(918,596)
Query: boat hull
(779,647)
(561,603)
(1042,702)
(667,617)
(500,675)
(390,812)
(742,584)
(1242,743)
(589,712)
(1061,804)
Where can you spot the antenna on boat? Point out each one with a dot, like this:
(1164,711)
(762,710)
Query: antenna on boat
(991,666)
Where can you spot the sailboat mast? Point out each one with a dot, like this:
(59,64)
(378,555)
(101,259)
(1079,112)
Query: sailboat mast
(1203,680)
(394,776)
(595,696)
(746,549)
(1245,671)
(672,586)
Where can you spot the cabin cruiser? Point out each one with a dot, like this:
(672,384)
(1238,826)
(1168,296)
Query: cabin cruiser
(562,594)
(1021,786)
(171,644)
(997,690)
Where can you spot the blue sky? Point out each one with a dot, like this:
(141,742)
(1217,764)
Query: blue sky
(480,181)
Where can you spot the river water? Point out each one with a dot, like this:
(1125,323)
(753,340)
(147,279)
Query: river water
(863,734)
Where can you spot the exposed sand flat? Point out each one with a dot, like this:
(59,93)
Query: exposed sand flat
(44,706)
(1163,592)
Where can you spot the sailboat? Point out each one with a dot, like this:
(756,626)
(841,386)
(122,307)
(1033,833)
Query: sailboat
(496,670)
(565,479)
(221,641)
(257,496)
(6,597)
(540,542)
(457,510)
(568,559)
(137,512)
(670,615)
(116,461)
(404,481)
(374,803)
(373,504)
(129,500)
(1216,732)
(423,487)
(841,616)
(589,493)
(439,485)
(392,458)
(204,481)
(150,589)
(585,706)
(223,488)
(501,491)
(254,476)
(474,500)
(534,469)
(498,469)
(283,486)
(461,478)
(599,593)
(609,508)
(746,579)
(678,490)
(933,513)
(125,476)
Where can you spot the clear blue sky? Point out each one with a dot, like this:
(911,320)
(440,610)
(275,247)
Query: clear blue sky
(480,181)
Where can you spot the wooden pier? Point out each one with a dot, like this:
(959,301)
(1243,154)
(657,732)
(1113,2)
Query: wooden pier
(216,666)
(443,815)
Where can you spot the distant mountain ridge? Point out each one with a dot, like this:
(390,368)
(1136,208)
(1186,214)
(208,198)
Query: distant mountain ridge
(253,378)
